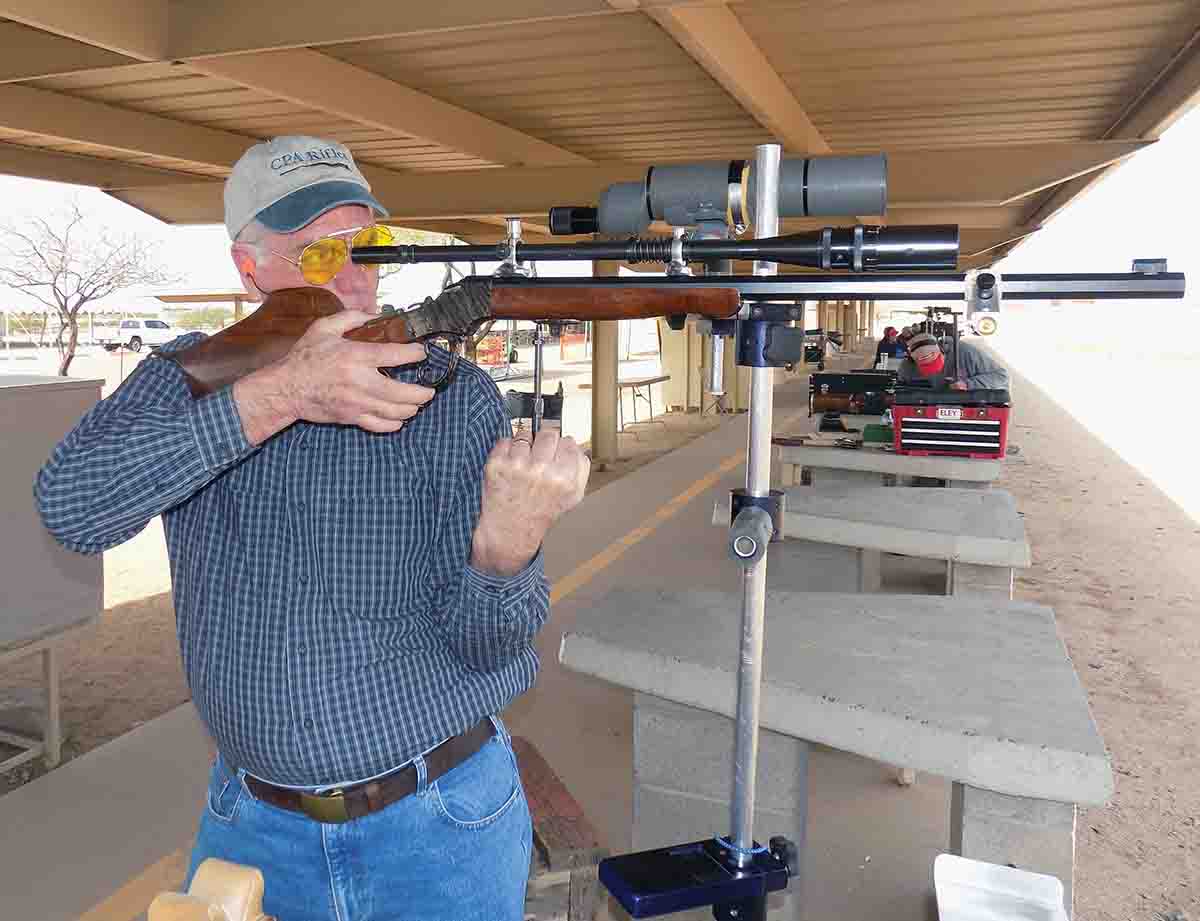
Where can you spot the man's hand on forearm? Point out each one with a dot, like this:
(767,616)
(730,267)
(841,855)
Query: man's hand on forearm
(526,488)
(262,404)
(328,378)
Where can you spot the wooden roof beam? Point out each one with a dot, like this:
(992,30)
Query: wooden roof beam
(716,40)
(134,28)
(31,54)
(97,172)
(994,175)
(70,118)
(978,184)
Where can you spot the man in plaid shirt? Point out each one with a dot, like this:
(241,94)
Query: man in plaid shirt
(357,575)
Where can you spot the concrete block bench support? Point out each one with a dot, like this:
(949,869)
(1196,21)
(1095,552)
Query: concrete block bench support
(49,745)
(976,580)
(977,690)
(1016,831)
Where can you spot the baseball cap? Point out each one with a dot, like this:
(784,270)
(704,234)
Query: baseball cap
(925,351)
(289,181)
(890,331)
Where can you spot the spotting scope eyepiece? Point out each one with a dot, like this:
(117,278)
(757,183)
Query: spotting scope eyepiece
(571,220)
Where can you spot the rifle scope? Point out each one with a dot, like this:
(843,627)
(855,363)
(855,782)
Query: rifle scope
(686,194)
(858,249)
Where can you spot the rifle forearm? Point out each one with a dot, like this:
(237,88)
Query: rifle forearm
(514,302)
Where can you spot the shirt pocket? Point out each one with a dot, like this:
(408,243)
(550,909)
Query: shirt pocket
(373,524)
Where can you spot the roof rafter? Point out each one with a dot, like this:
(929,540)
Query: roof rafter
(716,40)
(135,28)
(30,54)
(318,81)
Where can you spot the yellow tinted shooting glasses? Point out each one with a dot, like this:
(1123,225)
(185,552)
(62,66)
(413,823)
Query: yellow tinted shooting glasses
(324,258)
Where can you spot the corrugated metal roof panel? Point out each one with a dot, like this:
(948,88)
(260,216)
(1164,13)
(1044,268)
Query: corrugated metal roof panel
(176,91)
(901,72)
(597,87)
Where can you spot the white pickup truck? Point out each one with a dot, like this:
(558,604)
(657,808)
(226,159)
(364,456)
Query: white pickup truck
(135,333)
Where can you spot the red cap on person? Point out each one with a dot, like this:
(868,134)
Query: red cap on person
(926,353)
(890,331)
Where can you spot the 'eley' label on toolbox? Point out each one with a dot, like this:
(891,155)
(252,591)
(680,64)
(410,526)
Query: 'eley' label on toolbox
(949,412)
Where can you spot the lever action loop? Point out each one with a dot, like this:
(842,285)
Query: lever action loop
(443,381)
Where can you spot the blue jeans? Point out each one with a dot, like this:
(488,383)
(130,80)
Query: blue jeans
(457,849)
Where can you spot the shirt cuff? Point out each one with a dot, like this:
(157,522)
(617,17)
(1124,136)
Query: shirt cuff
(509,589)
(217,428)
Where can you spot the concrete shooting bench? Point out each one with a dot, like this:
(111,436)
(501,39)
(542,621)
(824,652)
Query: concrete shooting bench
(871,465)
(979,533)
(977,690)
(642,389)
(46,591)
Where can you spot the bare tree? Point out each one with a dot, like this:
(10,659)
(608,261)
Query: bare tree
(66,263)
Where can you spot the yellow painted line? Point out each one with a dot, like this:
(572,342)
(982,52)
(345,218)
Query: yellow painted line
(584,573)
(135,896)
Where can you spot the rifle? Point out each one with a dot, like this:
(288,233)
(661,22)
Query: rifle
(267,334)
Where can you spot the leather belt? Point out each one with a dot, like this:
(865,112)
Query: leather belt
(362,799)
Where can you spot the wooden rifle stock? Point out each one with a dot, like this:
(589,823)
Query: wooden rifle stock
(269,333)
(515,302)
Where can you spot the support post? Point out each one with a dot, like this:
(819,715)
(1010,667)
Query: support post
(605,449)
(1029,834)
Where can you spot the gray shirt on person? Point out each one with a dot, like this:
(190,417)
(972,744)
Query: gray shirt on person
(976,368)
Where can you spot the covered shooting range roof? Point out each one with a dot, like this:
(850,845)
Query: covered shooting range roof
(993,113)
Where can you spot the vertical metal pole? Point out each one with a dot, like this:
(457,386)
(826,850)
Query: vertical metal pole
(537,378)
(758,483)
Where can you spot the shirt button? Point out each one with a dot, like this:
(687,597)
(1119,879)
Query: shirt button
(303,580)
(308,723)
(300,506)
(302,649)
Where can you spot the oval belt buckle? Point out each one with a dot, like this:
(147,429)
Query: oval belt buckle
(329,808)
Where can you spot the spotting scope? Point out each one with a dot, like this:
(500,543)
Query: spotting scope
(687,194)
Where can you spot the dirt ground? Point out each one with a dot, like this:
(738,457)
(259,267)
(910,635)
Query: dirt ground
(1110,506)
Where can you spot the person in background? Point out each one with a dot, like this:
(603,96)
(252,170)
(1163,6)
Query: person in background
(889,346)
(974,368)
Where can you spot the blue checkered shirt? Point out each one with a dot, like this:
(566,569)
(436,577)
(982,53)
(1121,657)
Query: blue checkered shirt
(330,624)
